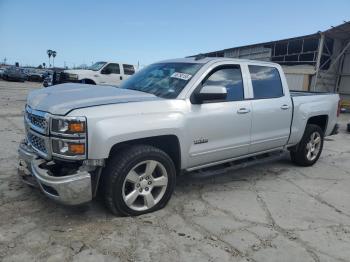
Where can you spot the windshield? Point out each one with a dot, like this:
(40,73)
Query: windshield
(165,80)
(97,66)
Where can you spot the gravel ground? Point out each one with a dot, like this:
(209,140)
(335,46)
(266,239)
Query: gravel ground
(268,212)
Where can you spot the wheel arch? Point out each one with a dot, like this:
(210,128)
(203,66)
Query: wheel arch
(170,144)
(319,120)
(88,81)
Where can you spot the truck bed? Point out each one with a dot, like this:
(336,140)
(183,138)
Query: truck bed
(308,93)
(308,104)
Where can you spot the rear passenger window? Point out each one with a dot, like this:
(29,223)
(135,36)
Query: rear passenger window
(231,78)
(266,82)
(128,69)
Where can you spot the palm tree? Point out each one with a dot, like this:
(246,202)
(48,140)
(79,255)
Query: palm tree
(54,53)
(49,53)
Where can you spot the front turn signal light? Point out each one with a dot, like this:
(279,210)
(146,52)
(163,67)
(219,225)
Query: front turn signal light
(76,127)
(77,149)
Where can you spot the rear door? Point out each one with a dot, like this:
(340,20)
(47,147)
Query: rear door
(129,70)
(271,109)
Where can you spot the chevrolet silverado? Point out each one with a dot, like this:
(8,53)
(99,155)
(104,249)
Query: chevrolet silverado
(172,117)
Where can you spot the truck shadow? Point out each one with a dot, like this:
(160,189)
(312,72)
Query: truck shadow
(187,183)
(236,172)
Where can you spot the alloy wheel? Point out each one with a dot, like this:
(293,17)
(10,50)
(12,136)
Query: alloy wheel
(313,146)
(145,185)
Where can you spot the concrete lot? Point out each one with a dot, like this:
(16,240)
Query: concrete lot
(269,212)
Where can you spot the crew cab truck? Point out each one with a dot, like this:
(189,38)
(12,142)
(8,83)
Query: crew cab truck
(100,73)
(130,143)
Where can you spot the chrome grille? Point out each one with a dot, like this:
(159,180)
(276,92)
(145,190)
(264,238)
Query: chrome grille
(37,142)
(36,120)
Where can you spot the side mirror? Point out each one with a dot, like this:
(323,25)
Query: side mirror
(106,71)
(210,93)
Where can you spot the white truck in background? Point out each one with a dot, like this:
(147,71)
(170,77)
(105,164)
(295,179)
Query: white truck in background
(173,116)
(100,73)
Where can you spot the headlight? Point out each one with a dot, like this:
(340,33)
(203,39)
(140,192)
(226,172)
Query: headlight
(72,77)
(68,148)
(69,136)
(68,126)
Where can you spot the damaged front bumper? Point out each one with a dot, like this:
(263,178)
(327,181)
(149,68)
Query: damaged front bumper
(72,189)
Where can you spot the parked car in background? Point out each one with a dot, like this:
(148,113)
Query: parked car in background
(14,74)
(1,72)
(35,76)
(100,73)
(51,77)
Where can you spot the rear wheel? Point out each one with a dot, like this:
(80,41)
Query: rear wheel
(139,180)
(309,149)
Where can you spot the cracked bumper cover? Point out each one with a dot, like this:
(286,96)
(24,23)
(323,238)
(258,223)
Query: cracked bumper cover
(72,189)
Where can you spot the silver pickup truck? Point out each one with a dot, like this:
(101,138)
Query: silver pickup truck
(175,116)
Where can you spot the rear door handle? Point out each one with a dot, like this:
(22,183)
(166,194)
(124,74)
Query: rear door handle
(243,111)
(285,107)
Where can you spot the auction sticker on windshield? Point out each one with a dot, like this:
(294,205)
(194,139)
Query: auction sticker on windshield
(182,76)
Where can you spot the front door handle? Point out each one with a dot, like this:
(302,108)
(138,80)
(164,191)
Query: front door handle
(243,110)
(121,78)
(285,107)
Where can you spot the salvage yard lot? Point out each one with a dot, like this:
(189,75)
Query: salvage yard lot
(268,212)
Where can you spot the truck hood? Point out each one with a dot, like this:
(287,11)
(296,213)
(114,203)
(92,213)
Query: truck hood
(63,98)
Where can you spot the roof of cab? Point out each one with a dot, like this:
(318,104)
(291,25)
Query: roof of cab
(205,60)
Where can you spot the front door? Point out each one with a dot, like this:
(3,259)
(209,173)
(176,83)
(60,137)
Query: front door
(111,75)
(220,130)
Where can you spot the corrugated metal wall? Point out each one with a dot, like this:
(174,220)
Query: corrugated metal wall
(295,81)
(344,83)
(257,53)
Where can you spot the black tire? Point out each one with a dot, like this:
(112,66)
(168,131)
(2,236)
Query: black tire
(118,167)
(299,154)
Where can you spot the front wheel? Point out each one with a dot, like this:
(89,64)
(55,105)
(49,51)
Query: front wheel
(310,147)
(139,180)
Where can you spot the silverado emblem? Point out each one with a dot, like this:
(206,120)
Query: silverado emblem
(200,141)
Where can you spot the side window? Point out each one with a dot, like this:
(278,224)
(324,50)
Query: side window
(229,77)
(266,82)
(128,69)
(112,68)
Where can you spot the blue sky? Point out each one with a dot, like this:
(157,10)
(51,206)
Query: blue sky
(148,31)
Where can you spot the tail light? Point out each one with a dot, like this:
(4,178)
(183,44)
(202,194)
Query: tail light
(339,107)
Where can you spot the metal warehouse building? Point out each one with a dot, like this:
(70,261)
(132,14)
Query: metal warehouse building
(316,62)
